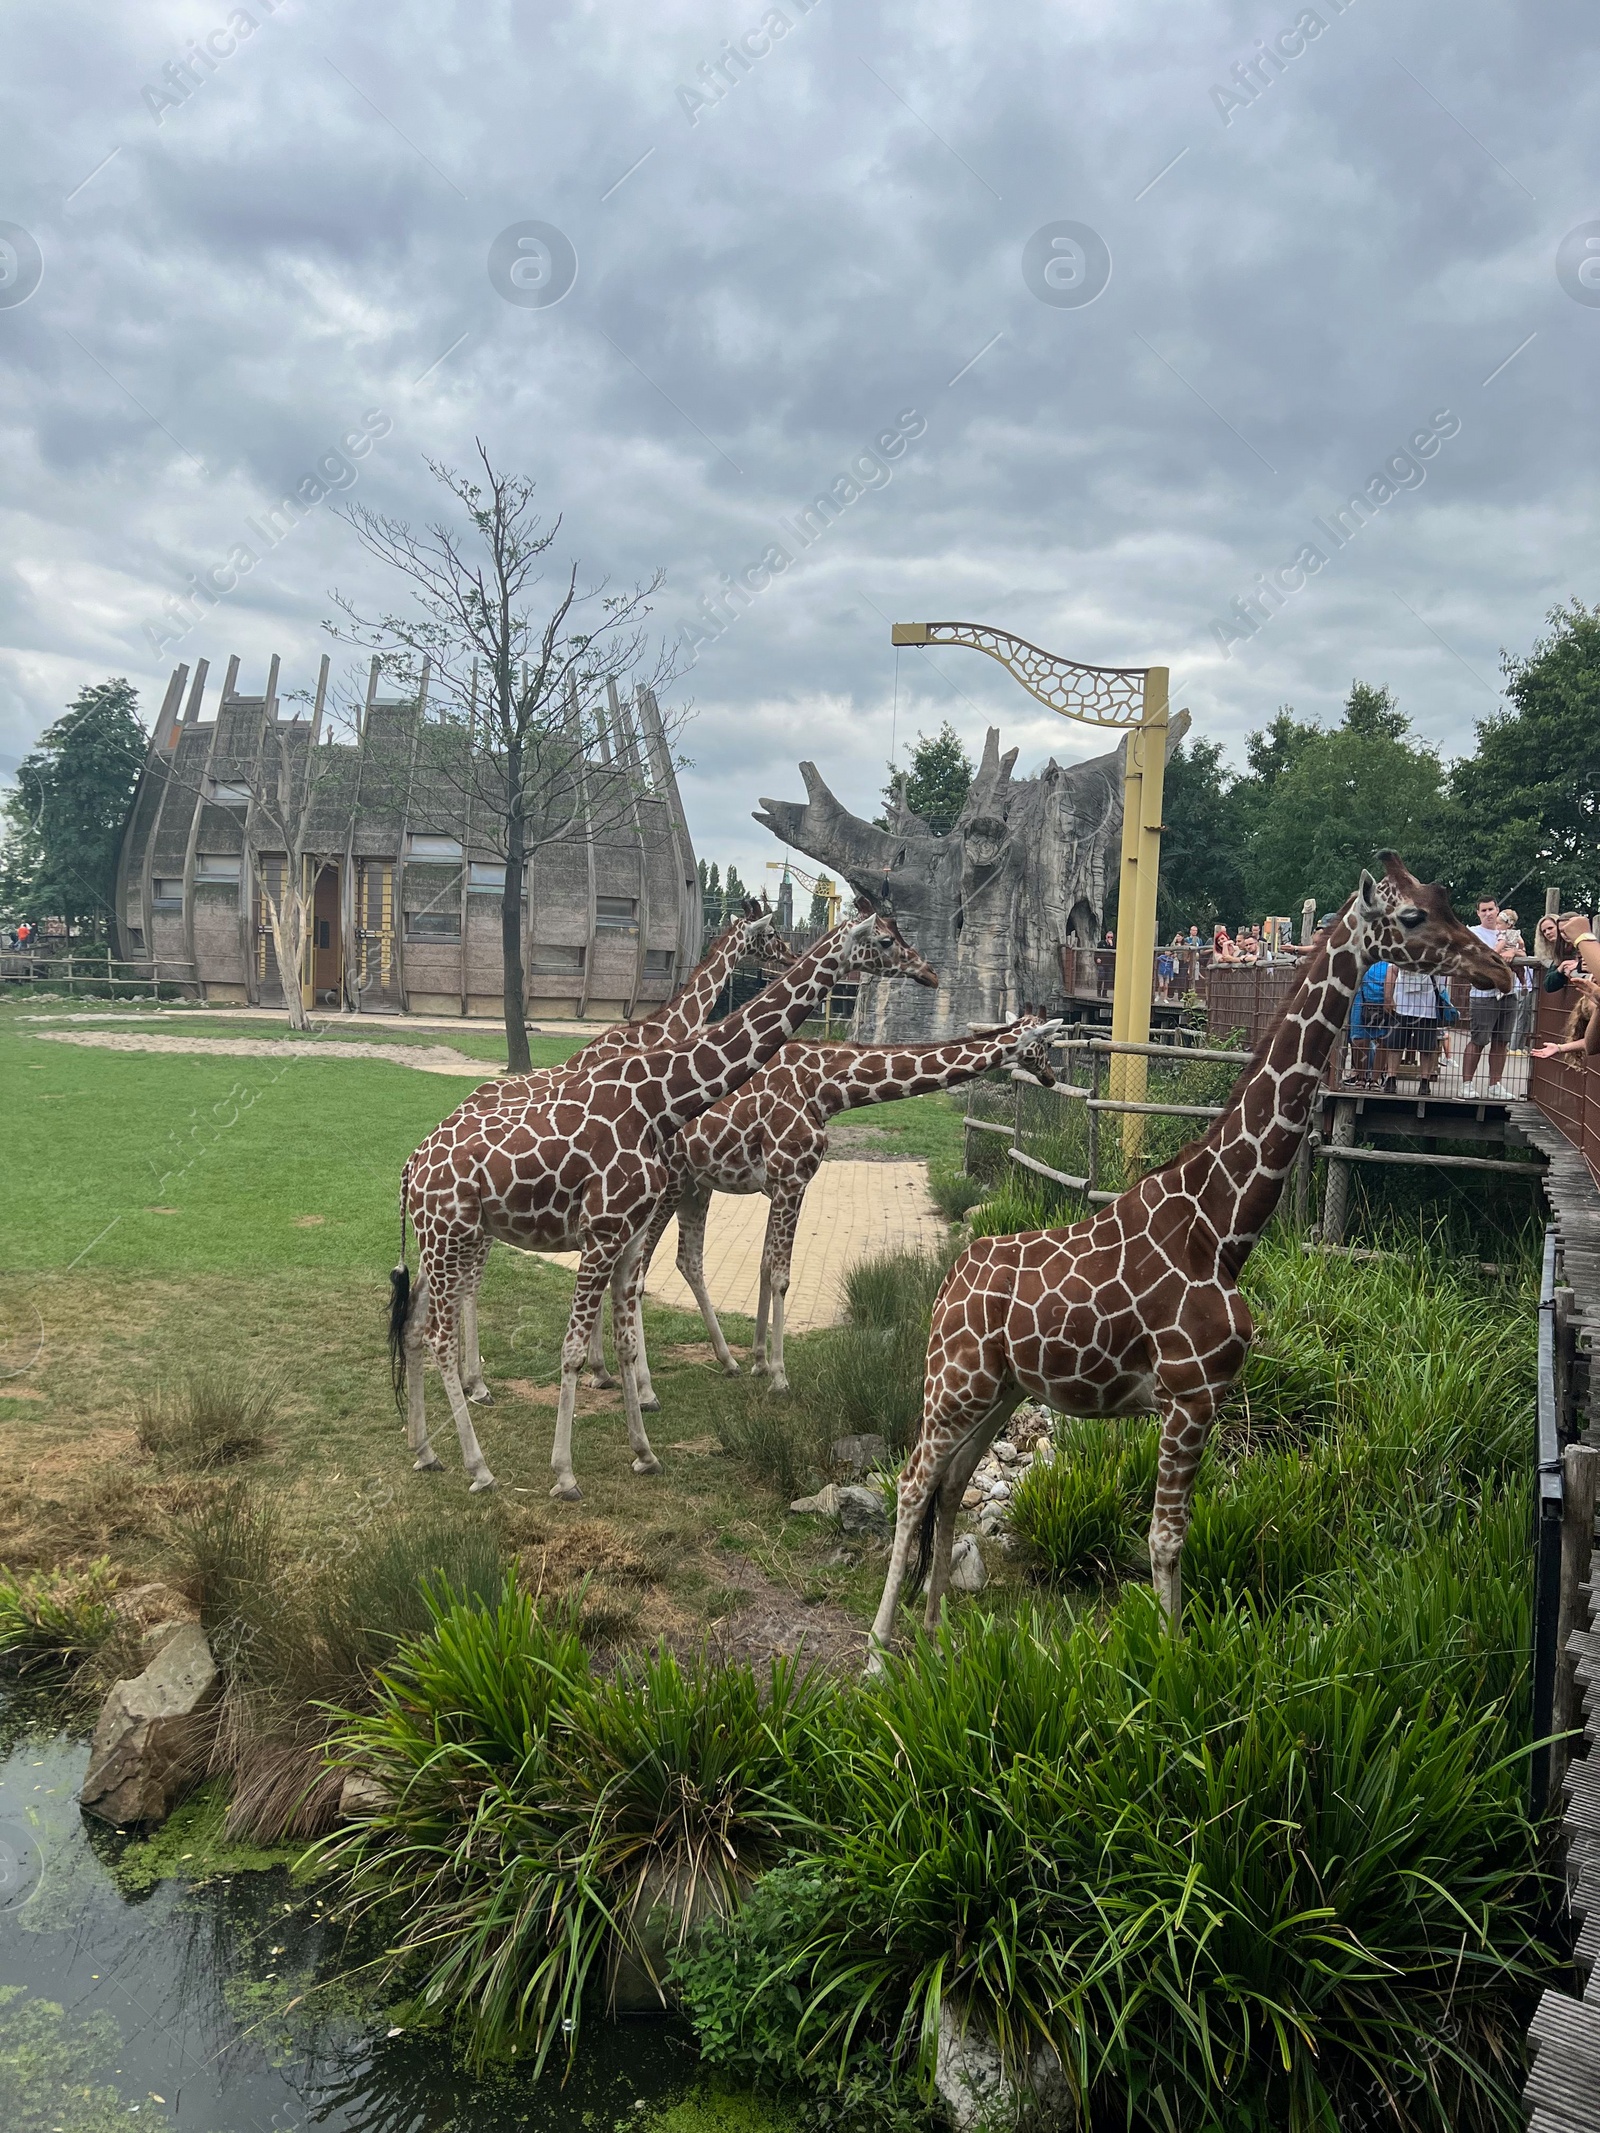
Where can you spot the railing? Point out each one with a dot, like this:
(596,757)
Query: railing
(1567,1089)
(101,974)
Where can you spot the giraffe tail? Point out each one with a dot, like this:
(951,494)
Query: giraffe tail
(917,1576)
(400,1304)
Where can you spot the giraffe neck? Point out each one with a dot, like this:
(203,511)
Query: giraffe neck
(1238,1172)
(843,1077)
(688,1009)
(725,1054)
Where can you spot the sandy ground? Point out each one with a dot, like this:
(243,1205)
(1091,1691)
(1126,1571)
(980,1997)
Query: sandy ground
(852,1211)
(426,1058)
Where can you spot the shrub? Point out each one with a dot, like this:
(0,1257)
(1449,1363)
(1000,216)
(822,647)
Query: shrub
(783,1441)
(1083,1511)
(867,1375)
(214,1416)
(541,1822)
(954,1193)
(55,1618)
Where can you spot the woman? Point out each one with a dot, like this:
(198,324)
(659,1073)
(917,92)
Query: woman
(1413,1006)
(1583,1026)
(1222,949)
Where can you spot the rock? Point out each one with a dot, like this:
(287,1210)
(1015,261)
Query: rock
(973,2085)
(989,1518)
(668,1903)
(863,1511)
(151,1738)
(971,1500)
(967,1573)
(1005,1452)
(855,1456)
(361,1795)
(825,1503)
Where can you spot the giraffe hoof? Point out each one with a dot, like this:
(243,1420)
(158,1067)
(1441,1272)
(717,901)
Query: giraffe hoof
(483,1397)
(730,1368)
(650,1406)
(601,1381)
(484,1481)
(429,1463)
(777,1384)
(567,1492)
(649,1464)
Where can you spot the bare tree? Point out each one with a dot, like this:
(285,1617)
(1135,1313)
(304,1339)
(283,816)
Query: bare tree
(516,679)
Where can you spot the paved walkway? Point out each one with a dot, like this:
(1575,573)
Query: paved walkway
(852,1211)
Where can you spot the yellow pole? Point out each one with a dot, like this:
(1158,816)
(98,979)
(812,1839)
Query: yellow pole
(1136,907)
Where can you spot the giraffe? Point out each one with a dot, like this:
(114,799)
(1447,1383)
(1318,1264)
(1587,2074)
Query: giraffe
(1138,1306)
(582,1165)
(771,1136)
(750,934)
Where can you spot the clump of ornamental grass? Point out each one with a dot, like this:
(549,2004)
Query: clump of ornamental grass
(53,1620)
(212,1416)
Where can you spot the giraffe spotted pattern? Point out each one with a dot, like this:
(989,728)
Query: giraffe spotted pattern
(581,1165)
(771,1137)
(1138,1307)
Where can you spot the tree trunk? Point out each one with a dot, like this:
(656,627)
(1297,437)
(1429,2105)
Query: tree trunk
(518,1059)
(288,923)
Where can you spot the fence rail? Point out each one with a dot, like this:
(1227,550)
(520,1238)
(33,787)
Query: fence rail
(96,973)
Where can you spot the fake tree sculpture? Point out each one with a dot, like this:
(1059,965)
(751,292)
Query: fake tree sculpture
(1023,876)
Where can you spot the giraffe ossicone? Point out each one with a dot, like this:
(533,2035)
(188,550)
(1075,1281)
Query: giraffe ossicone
(1137,1307)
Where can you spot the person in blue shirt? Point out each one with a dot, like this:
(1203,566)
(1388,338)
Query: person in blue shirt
(1369,1026)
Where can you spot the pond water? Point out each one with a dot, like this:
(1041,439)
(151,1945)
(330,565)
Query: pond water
(216,2006)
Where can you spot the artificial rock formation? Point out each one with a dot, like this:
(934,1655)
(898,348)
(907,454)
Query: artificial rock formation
(152,1737)
(1022,877)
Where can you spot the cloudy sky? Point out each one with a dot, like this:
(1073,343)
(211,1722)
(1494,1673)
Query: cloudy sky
(252,233)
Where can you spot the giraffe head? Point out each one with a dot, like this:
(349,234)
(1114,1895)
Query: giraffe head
(881,950)
(1401,920)
(1031,1051)
(759,939)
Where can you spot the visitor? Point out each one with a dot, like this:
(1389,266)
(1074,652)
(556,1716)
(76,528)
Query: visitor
(1105,965)
(1583,1026)
(1369,1024)
(1222,949)
(1415,1004)
(1167,966)
(1493,1015)
(1515,950)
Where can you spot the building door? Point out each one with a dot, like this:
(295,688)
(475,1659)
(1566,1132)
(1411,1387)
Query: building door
(327,952)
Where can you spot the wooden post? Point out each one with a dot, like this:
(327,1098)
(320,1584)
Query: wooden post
(1581,1473)
(1094,1122)
(1336,1188)
(1308,921)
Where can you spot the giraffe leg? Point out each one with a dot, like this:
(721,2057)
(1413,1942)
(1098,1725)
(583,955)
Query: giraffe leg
(628,1312)
(594,1272)
(426,1459)
(653,1235)
(1184,1427)
(963,1465)
(472,1380)
(776,1252)
(758,1347)
(599,1376)
(919,1480)
(692,1212)
(442,1331)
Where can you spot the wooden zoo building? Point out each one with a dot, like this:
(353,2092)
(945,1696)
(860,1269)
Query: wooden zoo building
(404,881)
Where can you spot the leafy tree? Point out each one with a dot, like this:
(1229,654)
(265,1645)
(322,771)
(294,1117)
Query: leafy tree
(734,891)
(820,898)
(65,816)
(1322,801)
(1202,870)
(1528,801)
(937,782)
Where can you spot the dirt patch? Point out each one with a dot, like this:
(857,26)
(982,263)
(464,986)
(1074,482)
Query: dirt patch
(425,1058)
(20,1392)
(692,1352)
(592,1399)
(309,1221)
(770,1623)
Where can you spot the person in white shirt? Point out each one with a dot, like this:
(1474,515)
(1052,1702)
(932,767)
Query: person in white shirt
(1412,1003)
(1492,1015)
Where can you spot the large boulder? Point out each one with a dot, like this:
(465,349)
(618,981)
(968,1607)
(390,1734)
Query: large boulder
(863,1510)
(152,1737)
(855,1456)
(978,2092)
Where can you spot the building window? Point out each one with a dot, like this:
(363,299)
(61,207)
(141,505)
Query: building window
(217,866)
(616,913)
(551,962)
(167,892)
(224,794)
(482,875)
(658,962)
(433,847)
(433,925)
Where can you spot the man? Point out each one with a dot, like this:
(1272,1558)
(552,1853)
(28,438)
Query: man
(1492,1015)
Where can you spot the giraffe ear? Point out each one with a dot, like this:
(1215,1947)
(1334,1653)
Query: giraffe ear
(1368,892)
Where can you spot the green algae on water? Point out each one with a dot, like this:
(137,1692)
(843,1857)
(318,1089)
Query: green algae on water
(193,1845)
